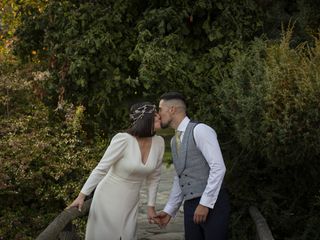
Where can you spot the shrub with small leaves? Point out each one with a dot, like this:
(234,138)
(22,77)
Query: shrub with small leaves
(271,102)
(42,163)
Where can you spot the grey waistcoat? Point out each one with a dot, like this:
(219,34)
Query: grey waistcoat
(190,165)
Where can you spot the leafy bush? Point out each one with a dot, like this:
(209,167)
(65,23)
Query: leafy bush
(42,163)
(271,101)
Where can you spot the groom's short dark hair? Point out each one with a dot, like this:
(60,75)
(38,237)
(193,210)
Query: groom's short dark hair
(173,95)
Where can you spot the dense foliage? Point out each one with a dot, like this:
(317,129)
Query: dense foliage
(41,162)
(271,102)
(258,89)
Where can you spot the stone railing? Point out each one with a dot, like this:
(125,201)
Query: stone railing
(61,227)
(262,228)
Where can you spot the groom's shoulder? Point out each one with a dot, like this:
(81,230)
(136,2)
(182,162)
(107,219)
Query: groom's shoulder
(201,126)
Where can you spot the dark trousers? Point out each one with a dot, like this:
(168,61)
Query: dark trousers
(216,225)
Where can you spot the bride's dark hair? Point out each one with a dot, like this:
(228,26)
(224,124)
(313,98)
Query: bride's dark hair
(142,119)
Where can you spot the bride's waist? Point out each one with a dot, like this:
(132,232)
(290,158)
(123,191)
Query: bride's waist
(116,177)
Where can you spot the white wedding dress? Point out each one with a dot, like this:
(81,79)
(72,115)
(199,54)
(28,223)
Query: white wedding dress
(118,179)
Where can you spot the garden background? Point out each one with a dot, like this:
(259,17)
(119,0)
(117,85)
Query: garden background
(250,69)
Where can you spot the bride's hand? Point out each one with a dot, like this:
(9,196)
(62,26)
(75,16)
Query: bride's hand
(151,212)
(78,202)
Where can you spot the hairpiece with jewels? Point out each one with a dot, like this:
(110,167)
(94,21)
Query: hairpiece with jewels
(140,111)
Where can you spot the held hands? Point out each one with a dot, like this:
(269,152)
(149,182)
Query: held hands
(78,202)
(162,219)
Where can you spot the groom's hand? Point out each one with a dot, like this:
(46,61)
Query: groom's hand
(200,215)
(162,218)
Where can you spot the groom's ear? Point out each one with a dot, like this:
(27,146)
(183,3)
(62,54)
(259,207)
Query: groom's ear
(172,109)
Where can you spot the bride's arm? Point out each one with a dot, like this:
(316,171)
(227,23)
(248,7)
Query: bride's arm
(153,180)
(113,153)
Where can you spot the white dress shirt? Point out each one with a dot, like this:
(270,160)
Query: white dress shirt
(207,142)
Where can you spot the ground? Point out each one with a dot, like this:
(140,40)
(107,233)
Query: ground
(174,230)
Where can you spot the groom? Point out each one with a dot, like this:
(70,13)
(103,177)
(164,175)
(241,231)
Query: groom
(200,170)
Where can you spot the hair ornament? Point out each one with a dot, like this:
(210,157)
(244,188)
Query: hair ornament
(140,111)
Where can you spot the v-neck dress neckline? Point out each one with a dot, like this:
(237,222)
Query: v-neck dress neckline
(147,160)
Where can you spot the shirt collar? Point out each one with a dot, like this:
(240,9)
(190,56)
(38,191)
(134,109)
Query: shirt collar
(183,124)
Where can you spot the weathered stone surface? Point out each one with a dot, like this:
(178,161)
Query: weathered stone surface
(174,230)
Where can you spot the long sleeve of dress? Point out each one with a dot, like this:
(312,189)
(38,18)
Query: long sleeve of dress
(113,153)
(154,178)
